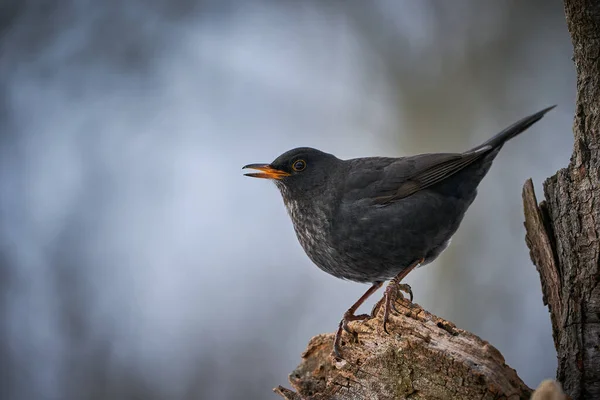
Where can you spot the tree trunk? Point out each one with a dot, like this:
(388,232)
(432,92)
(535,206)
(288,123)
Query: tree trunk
(426,357)
(563,233)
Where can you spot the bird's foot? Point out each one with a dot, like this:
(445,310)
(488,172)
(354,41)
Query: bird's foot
(390,297)
(393,291)
(405,287)
(343,326)
(350,316)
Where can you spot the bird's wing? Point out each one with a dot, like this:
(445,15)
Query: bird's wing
(400,178)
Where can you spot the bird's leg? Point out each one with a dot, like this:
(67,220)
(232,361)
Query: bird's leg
(350,316)
(391,293)
(400,287)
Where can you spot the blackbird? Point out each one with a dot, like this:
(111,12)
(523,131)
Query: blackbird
(377,218)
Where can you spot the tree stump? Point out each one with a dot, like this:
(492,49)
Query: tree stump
(423,357)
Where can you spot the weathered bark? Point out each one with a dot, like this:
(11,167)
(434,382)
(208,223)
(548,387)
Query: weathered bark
(563,233)
(423,357)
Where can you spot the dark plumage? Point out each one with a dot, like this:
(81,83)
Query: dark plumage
(369,219)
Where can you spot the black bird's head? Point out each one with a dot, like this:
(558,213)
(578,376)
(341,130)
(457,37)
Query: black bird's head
(298,173)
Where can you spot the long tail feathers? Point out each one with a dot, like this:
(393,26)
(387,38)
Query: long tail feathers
(513,130)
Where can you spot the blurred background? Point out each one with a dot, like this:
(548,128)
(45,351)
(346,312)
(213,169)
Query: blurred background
(134,260)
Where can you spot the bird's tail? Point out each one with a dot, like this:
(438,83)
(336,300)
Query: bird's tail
(497,141)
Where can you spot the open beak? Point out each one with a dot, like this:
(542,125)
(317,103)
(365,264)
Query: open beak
(267,172)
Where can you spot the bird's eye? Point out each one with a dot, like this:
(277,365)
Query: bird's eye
(299,165)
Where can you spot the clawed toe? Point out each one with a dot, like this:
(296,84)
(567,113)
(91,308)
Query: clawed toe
(389,300)
(404,287)
(343,326)
(390,296)
(377,306)
(386,312)
(394,290)
(348,318)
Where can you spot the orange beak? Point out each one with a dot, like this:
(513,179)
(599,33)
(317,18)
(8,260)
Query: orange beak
(268,172)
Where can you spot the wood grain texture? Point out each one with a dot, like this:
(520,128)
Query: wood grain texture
(539,239)
(423,357)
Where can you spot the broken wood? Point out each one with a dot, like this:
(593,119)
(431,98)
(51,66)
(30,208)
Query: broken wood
(423,357)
